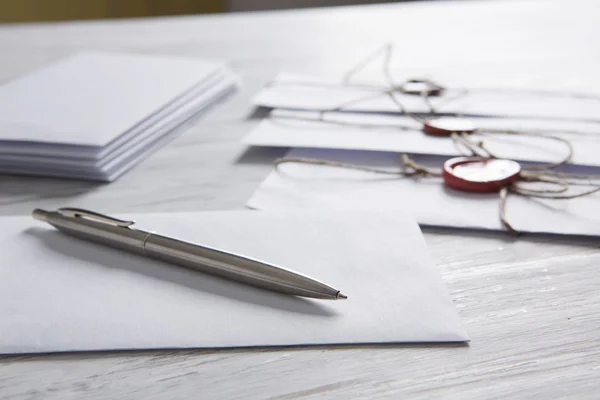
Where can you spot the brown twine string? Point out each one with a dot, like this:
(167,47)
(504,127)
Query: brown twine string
(566,177)
(475,149)
(391,84)
(415,168)
(503,218)
(460,92)
(362,64)
(538,194)
(321,118)
(553,194)
(557,164)
(478,148)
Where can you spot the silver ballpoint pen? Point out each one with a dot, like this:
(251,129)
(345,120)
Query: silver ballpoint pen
(120,234)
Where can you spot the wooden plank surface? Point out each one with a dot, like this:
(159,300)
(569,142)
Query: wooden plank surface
(64,10)
(531,306)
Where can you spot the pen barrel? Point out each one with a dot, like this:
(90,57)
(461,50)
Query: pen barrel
(237,268)
(114,236)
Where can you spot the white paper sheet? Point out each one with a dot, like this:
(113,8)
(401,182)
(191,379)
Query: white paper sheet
(91,98)
(379,132)
(301,186)
(58,293)
(303,92)
(195,97)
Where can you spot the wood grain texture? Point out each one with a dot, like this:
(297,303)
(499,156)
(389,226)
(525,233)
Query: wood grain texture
(531,306)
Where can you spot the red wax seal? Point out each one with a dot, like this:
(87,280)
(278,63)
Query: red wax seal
(477,174)
(421,87)
(446,126)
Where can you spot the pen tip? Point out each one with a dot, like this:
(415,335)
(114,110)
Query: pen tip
(341,296)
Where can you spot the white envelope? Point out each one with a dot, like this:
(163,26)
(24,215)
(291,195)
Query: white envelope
(91,98)
(295,91)
(122,155)
(302,186)
(58,293)
(381,132)
(94,115)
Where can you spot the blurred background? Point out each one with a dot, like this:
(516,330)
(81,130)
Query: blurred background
(62,10)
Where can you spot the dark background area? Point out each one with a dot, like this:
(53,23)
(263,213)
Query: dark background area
(61,10)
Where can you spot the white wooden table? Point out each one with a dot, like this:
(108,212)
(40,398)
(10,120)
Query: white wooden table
(531,306)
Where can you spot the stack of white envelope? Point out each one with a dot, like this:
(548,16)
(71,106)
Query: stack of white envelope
(360,125)
(371,121)
(95,115)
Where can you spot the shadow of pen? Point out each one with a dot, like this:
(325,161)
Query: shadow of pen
(106,257)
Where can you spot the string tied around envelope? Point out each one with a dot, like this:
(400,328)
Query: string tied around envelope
(512,179)
(429,88)
(457,128)
(463,140)
(411,168)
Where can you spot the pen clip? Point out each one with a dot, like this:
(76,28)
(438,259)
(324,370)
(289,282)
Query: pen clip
(94,216)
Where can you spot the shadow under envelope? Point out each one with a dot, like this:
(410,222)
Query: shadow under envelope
(106,257)
(86,356)
(22,188)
